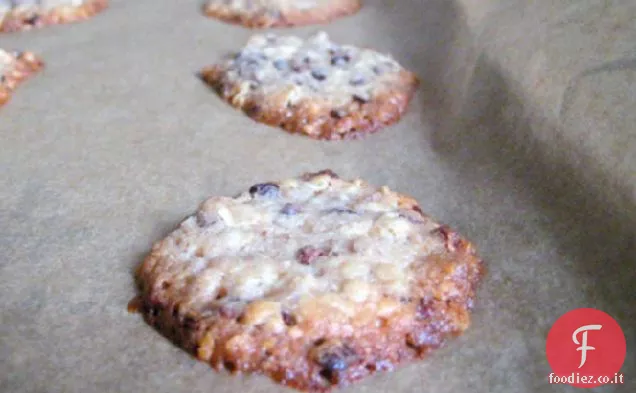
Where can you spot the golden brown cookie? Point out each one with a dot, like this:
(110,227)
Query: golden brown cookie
(314,281)
(314,86)
(15,67)
(279,13)
(20,15)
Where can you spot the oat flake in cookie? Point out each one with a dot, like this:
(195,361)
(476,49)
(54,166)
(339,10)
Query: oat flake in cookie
(314,86)
(314,281)
(279,13)
(19,15)
(15,67)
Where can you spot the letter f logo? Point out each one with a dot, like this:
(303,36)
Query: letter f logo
(584,347)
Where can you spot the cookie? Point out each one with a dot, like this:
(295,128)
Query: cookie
(314,86)
(314,281)
(15,67)
(279,13)
(20,15)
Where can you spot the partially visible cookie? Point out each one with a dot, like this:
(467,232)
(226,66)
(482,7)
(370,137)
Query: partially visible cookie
(279,13)
(315,281)
(19,15)
(15,67)
(314,86)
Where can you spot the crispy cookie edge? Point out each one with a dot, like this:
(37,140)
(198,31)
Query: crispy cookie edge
(23,21)
(26,64)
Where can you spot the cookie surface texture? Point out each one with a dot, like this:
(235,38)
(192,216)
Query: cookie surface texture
(314,281)
(15,67)
(20,15)
(279,13)
(314,86)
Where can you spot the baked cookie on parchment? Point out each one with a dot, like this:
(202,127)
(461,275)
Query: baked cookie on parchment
(19,15)
(314,281)
(314,86)
(15,67)
(279,13)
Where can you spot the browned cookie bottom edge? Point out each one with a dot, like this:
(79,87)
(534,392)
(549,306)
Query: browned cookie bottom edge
(322,122)
(333,369)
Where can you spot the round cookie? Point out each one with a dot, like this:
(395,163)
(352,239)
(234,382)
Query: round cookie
(15,67)
(20,15)
(314,86)
(314,281)
(279,13)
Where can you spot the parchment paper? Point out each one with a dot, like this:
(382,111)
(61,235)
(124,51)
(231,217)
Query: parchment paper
(521,137)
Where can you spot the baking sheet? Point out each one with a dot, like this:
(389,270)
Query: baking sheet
(117,141)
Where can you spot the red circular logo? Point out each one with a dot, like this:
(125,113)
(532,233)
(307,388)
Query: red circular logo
(586,348)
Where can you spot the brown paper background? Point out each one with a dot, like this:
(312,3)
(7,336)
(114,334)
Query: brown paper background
(521,137)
